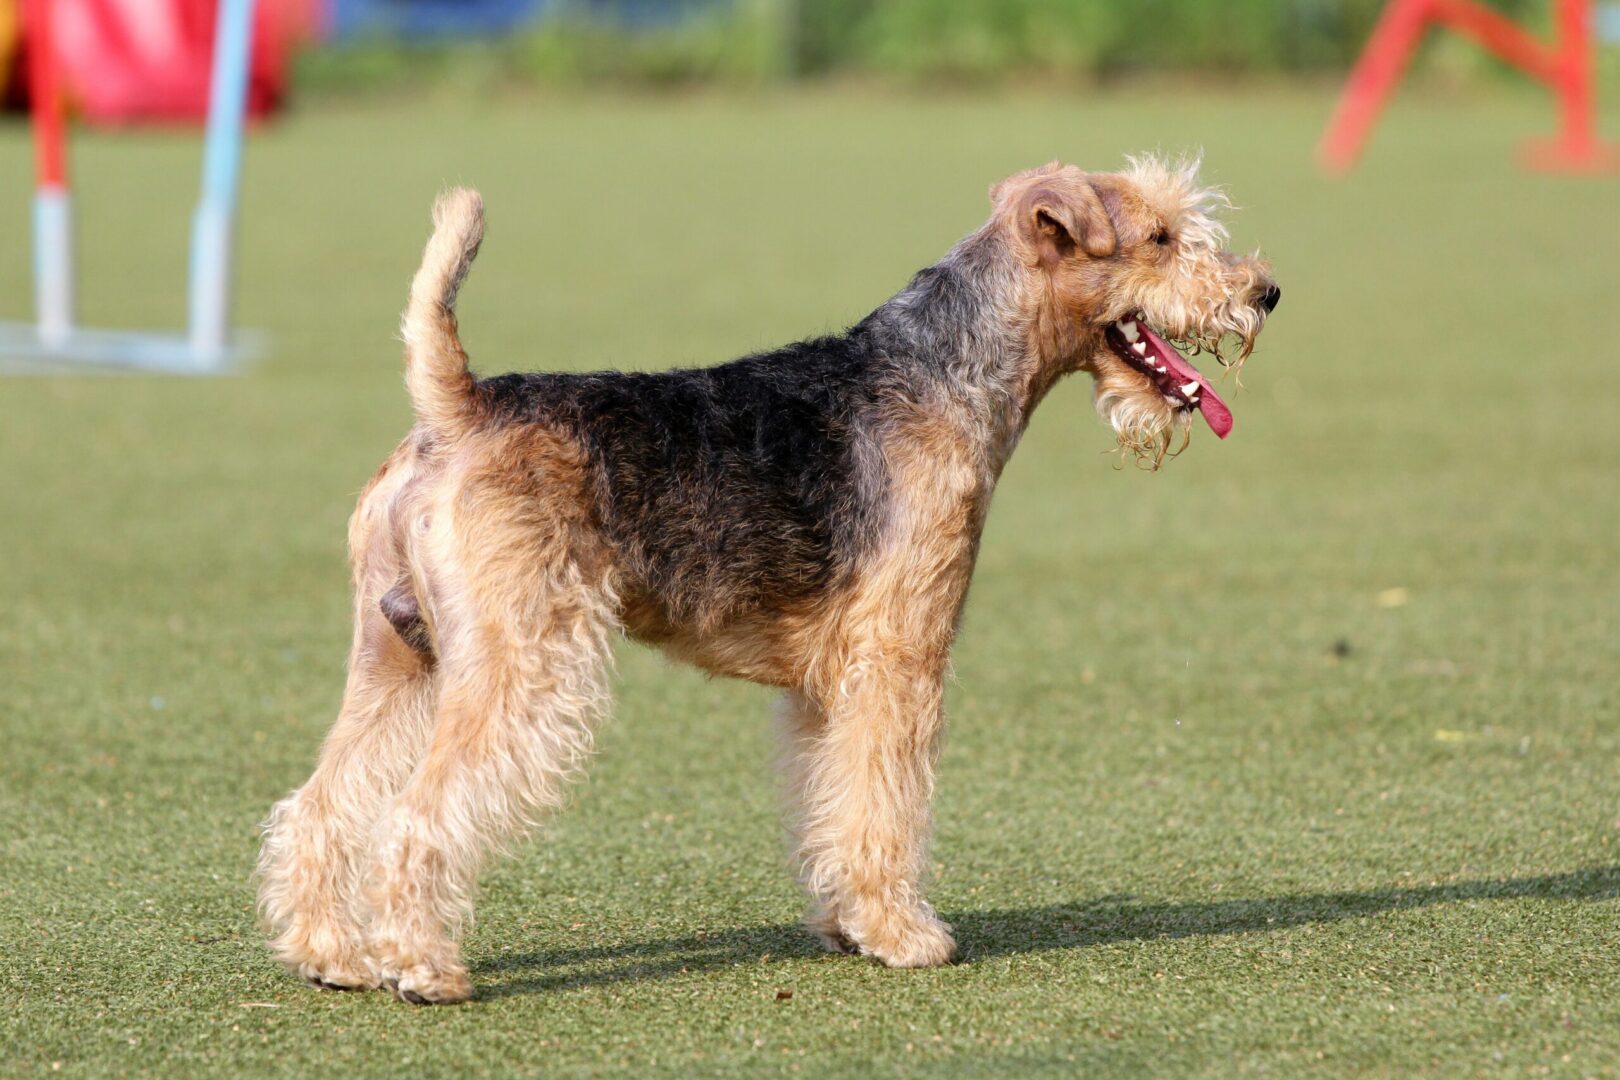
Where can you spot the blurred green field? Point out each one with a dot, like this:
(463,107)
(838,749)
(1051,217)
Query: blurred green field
(1298,758)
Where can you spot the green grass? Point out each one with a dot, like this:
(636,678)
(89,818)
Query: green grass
(1177,832)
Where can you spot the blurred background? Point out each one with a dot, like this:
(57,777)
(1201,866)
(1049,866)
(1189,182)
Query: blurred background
(1298,756)
(147,59)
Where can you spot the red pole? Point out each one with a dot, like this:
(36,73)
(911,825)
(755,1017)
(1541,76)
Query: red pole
(1502,36)
(1576,148)
(1574,80)
(44,97)
(1371,81)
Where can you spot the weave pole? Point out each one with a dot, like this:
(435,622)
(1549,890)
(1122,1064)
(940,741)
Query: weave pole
(1565,67)
(213,225)
(53,207)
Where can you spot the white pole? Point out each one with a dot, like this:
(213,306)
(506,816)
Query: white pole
(53,265)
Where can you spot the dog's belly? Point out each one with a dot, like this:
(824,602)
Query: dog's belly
(771,649)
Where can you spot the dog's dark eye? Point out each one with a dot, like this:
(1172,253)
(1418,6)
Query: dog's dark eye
(1162,237)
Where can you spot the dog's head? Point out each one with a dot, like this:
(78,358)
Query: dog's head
(1124,271)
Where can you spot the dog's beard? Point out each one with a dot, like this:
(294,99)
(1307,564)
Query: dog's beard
(1143,422)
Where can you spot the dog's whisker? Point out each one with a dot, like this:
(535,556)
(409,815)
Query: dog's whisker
(1186,440)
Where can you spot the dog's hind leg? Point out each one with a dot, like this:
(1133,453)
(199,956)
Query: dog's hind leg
(523,630)
(316,838)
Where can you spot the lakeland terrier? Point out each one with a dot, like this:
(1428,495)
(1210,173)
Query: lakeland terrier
(807,518)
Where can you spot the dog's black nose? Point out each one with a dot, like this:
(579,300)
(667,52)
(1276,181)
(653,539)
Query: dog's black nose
(1270,297)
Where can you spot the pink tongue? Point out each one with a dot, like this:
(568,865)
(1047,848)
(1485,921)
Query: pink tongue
(1216,414)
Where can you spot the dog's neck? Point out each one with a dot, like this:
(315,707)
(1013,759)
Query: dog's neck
(964,328)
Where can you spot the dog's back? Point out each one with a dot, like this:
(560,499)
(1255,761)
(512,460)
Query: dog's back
(726,490)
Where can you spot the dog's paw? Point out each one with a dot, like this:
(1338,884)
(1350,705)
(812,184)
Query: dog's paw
(338,977)
(340,967)
(824,925)
(428,985)
(915,941)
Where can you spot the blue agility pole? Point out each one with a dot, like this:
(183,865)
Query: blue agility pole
(212,227)
(207,346)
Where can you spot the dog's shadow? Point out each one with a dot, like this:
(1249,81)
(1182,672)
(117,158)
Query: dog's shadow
(986,934)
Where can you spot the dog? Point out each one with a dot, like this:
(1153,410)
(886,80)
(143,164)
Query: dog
(806,518)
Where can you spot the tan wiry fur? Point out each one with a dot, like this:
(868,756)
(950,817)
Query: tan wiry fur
(1192,290)
(485,534)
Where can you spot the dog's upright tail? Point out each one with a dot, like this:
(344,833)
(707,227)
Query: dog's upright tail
(436,374)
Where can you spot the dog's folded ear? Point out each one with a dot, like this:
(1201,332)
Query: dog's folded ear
(1064,215)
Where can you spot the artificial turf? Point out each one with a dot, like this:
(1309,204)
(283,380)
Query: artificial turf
(1298,757)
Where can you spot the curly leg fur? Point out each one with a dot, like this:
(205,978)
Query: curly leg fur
(316,837)
(862,779)
(524,646)
(801,724)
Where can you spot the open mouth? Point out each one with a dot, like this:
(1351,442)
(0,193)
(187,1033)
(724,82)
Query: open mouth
(1182,385)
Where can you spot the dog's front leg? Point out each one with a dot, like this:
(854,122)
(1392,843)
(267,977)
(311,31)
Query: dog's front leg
(862,780)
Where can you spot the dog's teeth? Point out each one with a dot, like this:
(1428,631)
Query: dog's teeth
(1128,328)
(1190,388)
(1140,348)
(1161,369)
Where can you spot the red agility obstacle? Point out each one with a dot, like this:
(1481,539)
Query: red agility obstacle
(1564,66)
